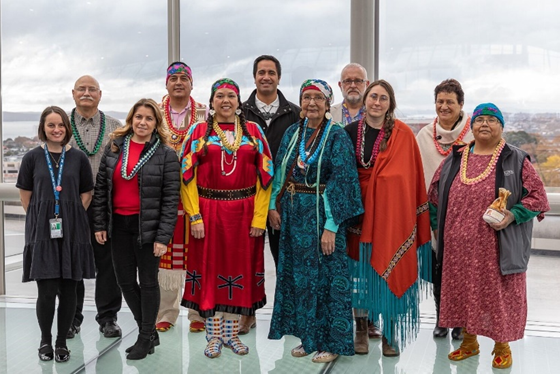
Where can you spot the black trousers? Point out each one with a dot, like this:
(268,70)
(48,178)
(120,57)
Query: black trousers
(108,296)
(48,289)
(274,242)
(436,280)
(137,270)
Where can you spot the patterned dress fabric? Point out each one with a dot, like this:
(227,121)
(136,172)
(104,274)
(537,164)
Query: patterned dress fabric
(474,293)
(225,270)
(313,299)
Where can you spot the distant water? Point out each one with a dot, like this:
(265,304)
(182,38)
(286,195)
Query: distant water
(19,128)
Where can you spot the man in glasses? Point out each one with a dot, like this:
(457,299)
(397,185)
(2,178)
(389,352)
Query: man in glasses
(90,133)
(353,83)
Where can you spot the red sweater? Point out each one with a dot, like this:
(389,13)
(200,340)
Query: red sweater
(126,193)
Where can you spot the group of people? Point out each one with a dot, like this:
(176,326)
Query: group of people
(349,197)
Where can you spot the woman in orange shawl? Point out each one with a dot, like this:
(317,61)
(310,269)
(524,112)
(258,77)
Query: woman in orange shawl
(390,249)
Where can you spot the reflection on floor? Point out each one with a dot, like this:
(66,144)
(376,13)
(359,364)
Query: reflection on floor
(182,352)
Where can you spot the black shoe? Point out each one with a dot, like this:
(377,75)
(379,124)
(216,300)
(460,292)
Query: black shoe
(144,345)
(440,332)
(61,354)
(457,333)
(46,352)
(110,330)
(155,340)
(73,331)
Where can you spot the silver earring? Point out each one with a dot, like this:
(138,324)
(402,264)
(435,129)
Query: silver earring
(328,116)
(212,112)
(238,111)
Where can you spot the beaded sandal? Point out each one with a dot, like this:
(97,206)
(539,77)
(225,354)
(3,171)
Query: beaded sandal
(299,351)
(502,357)
(237,346)
(196,326)
(213,348)
(163,326)
(322,357)
(462,353)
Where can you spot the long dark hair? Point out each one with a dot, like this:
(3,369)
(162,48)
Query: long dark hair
(389,123)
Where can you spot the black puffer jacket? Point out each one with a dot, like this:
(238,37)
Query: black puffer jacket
(159,181)
(286,115)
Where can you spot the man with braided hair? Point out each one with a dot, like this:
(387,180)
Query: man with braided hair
(90,133)
(179,111)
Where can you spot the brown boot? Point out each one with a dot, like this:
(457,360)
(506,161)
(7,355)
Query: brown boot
(373,331)
(388,349)
(361,342)
(246,323)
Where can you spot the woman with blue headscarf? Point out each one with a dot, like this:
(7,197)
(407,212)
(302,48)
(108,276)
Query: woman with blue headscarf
(315,194)
(483,285)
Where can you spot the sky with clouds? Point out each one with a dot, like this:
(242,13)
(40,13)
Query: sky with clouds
(507,52)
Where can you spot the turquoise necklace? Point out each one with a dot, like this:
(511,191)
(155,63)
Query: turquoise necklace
(140,162)
(79,140)
(303,155)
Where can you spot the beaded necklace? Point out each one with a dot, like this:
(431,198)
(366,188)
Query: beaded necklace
(78,138)
(177,135)
(140,162)
(489,168)
(361,144)
(459,139)
(238,135)
(304,157)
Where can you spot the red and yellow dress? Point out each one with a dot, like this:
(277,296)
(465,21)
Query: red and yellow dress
(225,271)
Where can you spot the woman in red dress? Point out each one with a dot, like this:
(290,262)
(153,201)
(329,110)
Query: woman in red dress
(227,169)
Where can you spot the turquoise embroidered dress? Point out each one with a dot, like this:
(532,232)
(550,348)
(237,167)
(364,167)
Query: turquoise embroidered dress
(313,298)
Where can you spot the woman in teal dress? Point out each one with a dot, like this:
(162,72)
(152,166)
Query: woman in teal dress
(315,194)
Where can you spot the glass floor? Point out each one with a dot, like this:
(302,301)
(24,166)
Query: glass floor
(182,352)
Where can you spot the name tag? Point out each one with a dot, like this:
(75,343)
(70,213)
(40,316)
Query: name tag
(56,228)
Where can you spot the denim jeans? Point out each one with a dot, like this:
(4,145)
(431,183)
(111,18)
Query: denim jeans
(135,263)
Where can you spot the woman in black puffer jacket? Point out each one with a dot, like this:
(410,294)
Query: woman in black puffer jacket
(135,204)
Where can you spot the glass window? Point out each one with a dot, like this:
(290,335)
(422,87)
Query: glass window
(46,47)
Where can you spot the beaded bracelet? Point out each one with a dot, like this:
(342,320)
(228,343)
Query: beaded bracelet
(195,217)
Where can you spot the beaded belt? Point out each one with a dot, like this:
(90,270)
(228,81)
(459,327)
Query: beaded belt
(294,188)
(354,230)
(210,193)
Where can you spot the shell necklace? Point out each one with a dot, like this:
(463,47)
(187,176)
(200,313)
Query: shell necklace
(177,135)
(227,145)
(491,165)
(459,140)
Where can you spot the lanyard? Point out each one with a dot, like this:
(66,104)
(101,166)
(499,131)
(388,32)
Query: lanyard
(56,185)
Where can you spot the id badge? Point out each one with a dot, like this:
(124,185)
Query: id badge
(56,228)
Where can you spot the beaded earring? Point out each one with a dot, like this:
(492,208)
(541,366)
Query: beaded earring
(212,112)
(238,111)
(328,116)
(301,115)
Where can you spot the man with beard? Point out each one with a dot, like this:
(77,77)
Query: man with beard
(353,82)
(90,133)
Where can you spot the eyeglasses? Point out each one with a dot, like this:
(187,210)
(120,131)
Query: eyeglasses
(84,89)
(382,98)
(357,82)
(489,120)
(318,99)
